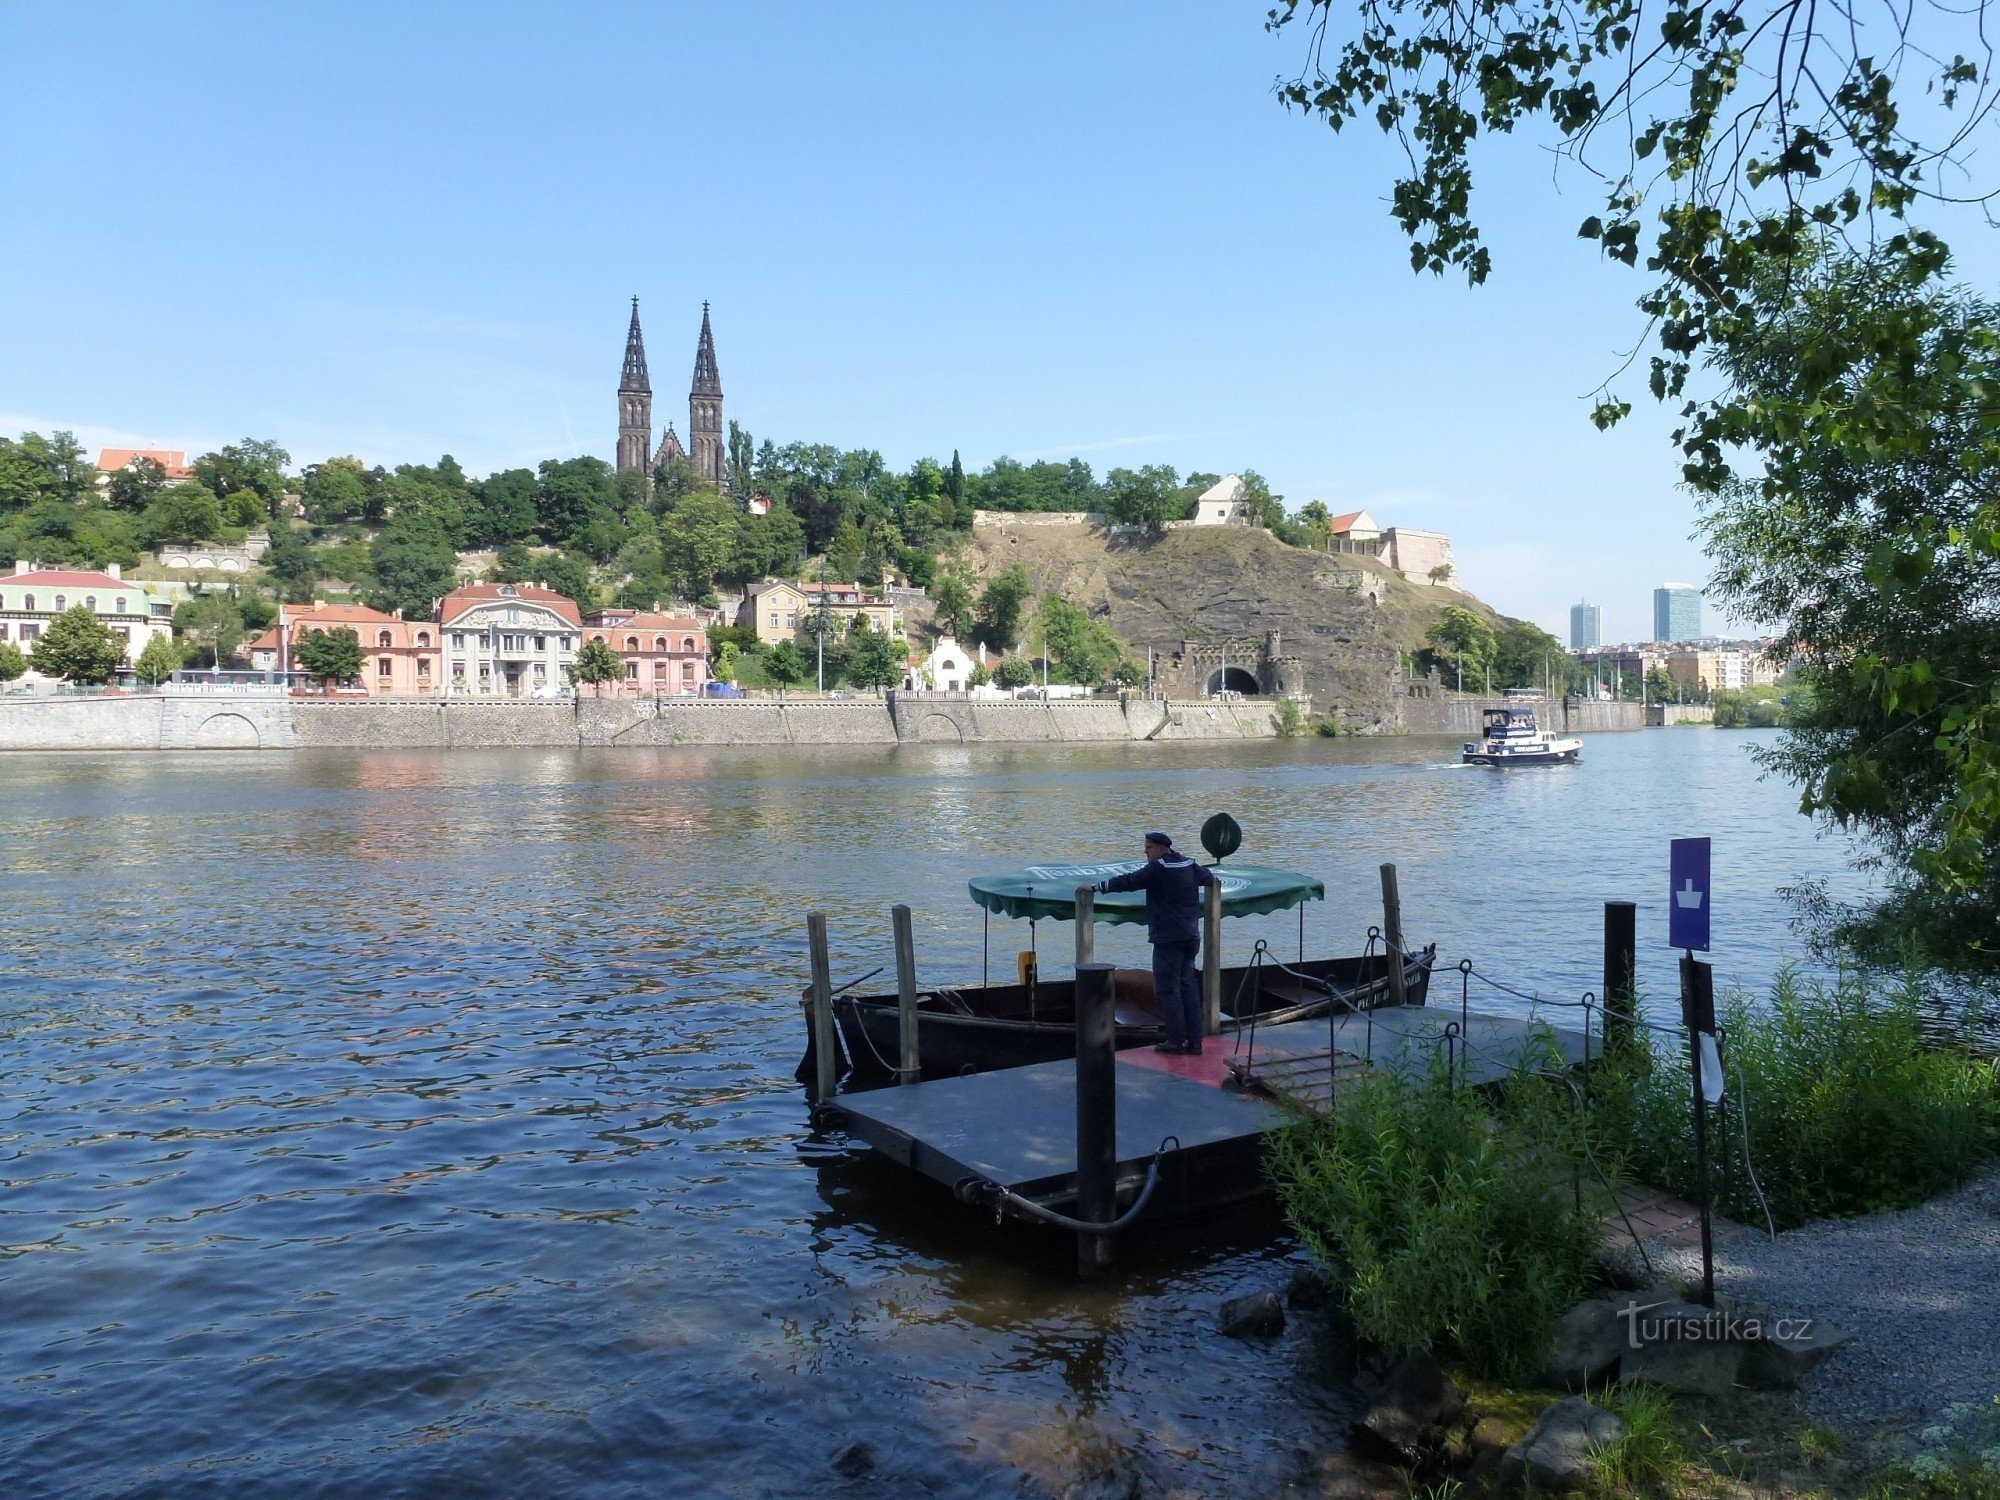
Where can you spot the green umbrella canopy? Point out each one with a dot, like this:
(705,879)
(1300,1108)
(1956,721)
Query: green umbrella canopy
(1050,891)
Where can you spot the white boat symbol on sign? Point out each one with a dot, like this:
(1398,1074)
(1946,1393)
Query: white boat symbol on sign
(1688,897)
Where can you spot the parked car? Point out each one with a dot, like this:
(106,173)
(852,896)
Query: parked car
(721,690)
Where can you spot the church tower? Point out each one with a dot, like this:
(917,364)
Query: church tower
(635,404)
(705,441)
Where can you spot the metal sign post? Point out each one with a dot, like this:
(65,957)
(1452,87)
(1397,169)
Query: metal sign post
(1688,907)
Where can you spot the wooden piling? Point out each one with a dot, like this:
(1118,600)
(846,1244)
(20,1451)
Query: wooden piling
(1621,977)
(1096,1113)
(906,992)
(1211,960)
(1086,925)
(819,1009)
(1392,932)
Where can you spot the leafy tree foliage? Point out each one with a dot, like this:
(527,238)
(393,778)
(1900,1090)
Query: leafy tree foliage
(1000,605)
(330,655)
(291,564)
(1462,645)
(572,494)
(1523,652)
(1014,672)
(187,512)
(1872,535)
(78,647)
(874,658)
(251,468)
(699,538)
(134,487)
(785,665)
(596,664)
(211,626)
(1080,649)
(952,600)
(335,491)
(160,659)
(411,565)
(13,662)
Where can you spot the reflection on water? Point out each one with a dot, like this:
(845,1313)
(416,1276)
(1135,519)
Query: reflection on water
(405,1121)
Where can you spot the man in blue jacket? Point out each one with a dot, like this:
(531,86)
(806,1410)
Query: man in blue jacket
(1173,885)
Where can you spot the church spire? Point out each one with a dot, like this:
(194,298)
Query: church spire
(634,376)
(705,445)
(707,379)
(635,403)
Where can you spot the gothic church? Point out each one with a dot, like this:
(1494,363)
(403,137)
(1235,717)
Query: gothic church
(709,455)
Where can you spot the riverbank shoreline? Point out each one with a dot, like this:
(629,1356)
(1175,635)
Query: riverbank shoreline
(202,720)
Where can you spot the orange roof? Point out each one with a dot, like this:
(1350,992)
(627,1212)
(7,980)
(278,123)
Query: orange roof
(1344,523)
(173,460)
(338,614)
(64,578)
(459,600)
(268,641)
(641,619)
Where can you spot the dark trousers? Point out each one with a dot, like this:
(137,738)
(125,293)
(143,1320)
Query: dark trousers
(1178,987)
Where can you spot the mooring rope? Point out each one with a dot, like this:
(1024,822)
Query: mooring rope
(971,1189)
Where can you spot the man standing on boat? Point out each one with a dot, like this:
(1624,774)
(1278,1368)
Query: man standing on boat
(1173,884)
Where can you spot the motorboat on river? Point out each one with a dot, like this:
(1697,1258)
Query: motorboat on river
(1510,737)
(977,1027)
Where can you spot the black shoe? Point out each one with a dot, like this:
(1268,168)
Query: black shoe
(1168,1047)
(1192,1049)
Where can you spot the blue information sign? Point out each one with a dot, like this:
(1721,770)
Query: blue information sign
(1688,902)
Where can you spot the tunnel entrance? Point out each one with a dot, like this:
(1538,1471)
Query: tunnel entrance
(1232,680)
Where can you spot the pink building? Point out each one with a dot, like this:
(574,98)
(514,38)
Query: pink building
(399,658)
(664,655)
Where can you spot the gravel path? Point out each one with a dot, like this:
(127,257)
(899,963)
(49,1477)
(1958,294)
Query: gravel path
(1920,1289)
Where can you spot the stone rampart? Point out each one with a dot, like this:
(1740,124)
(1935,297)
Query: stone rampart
(457,723)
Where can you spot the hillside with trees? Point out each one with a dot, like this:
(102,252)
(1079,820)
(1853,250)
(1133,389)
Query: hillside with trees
(397,539)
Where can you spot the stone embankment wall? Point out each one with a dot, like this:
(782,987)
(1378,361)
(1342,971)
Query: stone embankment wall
(201,721)
(1658,714)
(1446,713)
(146,721)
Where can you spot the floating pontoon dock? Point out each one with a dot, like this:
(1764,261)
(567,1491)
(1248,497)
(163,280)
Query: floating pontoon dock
(1010,1137)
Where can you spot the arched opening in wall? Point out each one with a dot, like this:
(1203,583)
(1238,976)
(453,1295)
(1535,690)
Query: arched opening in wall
(1232,680)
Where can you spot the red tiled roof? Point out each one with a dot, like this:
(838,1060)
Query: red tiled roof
(337,614)
(1344,523)
(173,460)
(459,600)
(641,619)
(63,578)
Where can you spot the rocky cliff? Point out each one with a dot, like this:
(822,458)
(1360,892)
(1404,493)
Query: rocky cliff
(1195,593)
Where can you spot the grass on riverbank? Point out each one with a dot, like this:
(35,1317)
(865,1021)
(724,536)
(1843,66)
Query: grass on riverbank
(1838,1104)
(1452,1220)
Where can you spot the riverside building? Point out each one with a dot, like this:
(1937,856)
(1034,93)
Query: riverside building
(507,640)
(33,596)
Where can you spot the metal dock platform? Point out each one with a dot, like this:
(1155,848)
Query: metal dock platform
(1202,1117)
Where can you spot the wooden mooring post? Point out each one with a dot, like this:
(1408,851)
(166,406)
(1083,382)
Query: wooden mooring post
(819,1009)
(1211,959)
(1392,933)
(1621,972)
(1086,925)
(906,993)
(1096,1113)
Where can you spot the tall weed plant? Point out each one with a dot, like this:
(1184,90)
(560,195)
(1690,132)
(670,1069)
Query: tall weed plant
(1450,1220)
(1837,1100)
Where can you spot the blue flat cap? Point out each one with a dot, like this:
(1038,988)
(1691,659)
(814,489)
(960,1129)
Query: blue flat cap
(1161,839)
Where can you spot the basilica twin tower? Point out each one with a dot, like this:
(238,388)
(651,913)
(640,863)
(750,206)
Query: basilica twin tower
(707,452)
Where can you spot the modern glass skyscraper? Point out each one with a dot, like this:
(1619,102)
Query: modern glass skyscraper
(1676,613)
(1586,623)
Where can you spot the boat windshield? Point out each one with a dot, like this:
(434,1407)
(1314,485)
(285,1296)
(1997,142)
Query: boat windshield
(1050,891)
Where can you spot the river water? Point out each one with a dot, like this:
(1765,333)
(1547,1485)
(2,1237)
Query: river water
(420,1122)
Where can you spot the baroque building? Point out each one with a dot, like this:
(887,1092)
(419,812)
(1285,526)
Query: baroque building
(708,450)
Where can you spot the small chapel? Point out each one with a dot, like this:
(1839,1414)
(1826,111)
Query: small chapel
(707,450)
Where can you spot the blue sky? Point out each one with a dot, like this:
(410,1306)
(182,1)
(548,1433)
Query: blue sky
(1039,230)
